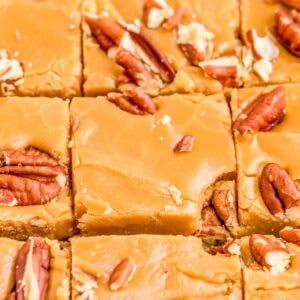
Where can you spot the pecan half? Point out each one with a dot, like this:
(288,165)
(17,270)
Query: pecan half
(224,205)
(32,269)
(225,69)
(278,189)
(134,101)
(173,21)
(264,113)
(185,144)
(291,235)
(29,177)
(288,31)
(122,274)
(270,253)
(292,3)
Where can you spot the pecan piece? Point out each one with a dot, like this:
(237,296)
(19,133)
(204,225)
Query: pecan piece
(230,247)
(122,274)
(134,101)
(270,253)
(32,269)
(185,144)
(292,3)
(291,235)
(288,32)
(29,177)
(278,189)
(173,21)
(224,205)
(264,113)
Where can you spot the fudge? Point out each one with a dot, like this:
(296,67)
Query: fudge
(143,172)
(34,189)
(266,127)
(272,24)
(36,269)
(274,274)
(198,32)
(40,48)
(151,267)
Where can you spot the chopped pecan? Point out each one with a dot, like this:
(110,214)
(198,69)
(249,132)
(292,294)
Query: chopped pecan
(291,235)
(225,69)
(122,274)
(195,41)
(278,189)
(155,13)
(230,247)
(32,269)
(264,113)
(173,21)
(270,253)
(156,59)
(224,205)
(185,144)
(134,101)
(292,3)
(29,177)
(288,31)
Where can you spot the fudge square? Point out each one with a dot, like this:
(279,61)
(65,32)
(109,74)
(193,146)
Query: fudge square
(261,15)
(268,164)
(34,189)
(129,175)
(20,273)
(200,18)
(151,267)
(40,48)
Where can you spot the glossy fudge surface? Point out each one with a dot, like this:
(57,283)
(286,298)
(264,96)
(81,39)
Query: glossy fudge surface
(166,267)
(44,36)
(101,73)
(42,123)
(126,176)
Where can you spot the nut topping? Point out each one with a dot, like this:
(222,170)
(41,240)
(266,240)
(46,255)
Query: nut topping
(288,31)
(32,269)
(292,3)
(278,189)
(264,113)
(230,247)
(29,177)
(291,235)
(134,101)
(122,274)
(270,253)
(195,41)
(173,21)
(185,144)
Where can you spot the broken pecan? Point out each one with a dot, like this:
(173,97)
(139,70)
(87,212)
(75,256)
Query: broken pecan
(195,41)
(278,189)
(32,269)
(230,247)
(224,205)
(291,235)
(185,144)
(288,31)
(29,177)
(134,101)
(270,253)
(173,21)
(292,3)
(264,113)
(122,274)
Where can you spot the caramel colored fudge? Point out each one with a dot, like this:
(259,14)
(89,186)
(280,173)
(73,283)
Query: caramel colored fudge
(260,15)
(101,73)
(127,174)
(268,155)
(34,192)
(58,270)
(151,267)
(40,48)
(261,283)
